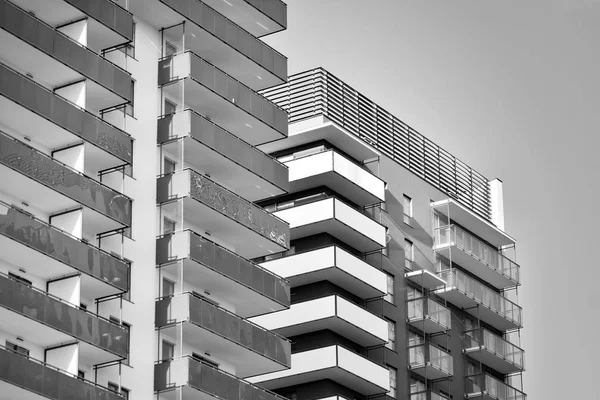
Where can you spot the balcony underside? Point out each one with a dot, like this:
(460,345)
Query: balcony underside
(52,73)
(476,267)
(429,372)
(490,359)
(246,242)
(425,279)
(249,185)
(212,48)
(247,301)
(26,189)
(427,325)
(46,336)
(59,12)
(246,361)
(320,128)
(247,16)
(222,111)
(52,136)
(470,305)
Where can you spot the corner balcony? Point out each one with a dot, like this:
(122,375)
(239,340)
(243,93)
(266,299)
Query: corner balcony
(204,146)
(47,321)
(250,230)
(23,377)
(251,348)
(429,316)
(108,24)
(330,168)
(331,215)
(54,122)
(40,176)
(494,351)
(217,38)
(480,301)
(486,387)
(258,17)
(473,222)
(55,59)
(332,264)
(332,313)
(201,86)
(252,289)
(51,252)
(428,395)
(189,379)
(476,256)
(332,362)
(430,361)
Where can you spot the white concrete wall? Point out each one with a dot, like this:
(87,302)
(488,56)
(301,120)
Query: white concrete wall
(71,222)
(65,358)
(74,157)
(75,93)
(77,31)
(68,289)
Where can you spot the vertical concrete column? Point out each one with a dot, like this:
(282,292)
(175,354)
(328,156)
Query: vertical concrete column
(75,93)
(70,222)
(73,156)
(64,357)
(68,289)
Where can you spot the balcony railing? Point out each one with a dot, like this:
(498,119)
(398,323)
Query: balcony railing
(48,381)
(222,200)
(108,13)
(428,395)
(54,174)
(65,114)
(486,254)
(228,263)
(226,143)
(274,9)
(61,47)
(62,316)
(229,89)
(207,379)
(424,354)
(57,244)
(316,92)
(222,322)
(493,387)
(483,295)
(426,307)
(231,34)
(496,345)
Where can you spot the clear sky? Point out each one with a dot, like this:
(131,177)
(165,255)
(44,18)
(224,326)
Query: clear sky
(511,87)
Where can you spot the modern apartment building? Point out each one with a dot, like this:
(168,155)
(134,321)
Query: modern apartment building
(179,220)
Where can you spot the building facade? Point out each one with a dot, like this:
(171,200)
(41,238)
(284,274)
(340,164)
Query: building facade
(179,220)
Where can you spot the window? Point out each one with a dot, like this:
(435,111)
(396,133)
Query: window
(115,388)
(170,49)
(19,279)
(168,350)
(168,287)
(129,110)
(83,306)
(408,254)
(169,107)
(393,372)
(168,165)
(81,374)
(17,349)
(417,386)
(407,205)
(391,344)
(390,288)
(168,225)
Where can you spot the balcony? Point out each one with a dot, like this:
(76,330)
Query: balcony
(201,86)
(425,279)
(23,377)
(476,256)
(430,361)
(332,264)
(258,17)
(204,146)
(494,309)
(332,362)
(197,380)
(429,316)
(61,187)
(54,122)
(55,59)
(428,395)
(322,213)
(486,387)
(47,321)
(251,348)
(249,229)
(330,168)
(252,289)
(494,351)
(332,313)
(51,253)
(482,228)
